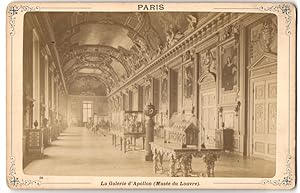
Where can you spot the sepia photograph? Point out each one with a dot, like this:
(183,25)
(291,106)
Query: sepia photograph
(137,93)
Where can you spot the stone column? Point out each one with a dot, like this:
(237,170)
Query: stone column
(150,112)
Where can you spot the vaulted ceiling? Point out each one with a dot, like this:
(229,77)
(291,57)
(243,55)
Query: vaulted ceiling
(99,51)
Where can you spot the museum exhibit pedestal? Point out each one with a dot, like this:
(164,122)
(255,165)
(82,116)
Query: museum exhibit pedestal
(149,138)
(35,143)
(150,112)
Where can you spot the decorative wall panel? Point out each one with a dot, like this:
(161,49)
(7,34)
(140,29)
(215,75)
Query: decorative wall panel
(259,118)
(147,92)
(208,120)
(262,39)
(179,91)
(272,90)
(208,62)
(229,120)
(164,91)
(236,144)
(135,100)
(271,149)
(260,92)
(260,147)
(272,117)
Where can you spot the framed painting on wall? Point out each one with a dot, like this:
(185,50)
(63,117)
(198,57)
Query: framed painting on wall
(229,67)
(188,81)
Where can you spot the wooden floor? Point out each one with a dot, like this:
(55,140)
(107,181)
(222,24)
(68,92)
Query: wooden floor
(79,152)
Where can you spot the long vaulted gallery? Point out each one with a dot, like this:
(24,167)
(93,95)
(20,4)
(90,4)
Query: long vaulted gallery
(150,94)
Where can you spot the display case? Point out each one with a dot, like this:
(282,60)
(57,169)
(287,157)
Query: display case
(132,128)
(116,121)
(182,131)
(133,122)
(35,142)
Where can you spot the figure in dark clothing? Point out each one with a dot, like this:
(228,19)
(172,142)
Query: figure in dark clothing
(229,75)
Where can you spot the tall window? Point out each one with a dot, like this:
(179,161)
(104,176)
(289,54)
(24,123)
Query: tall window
(87,110)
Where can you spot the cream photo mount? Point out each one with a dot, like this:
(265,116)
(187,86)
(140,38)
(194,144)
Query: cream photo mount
(252,73)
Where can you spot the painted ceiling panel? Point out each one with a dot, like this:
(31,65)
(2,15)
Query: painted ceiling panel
(90,70)
(118,68)
(102,50)
(87,86)
(103,34)
(69,64)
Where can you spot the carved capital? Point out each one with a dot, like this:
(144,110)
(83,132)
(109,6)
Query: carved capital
(189,55)
(164,71)
(148,80)
(121,93)
(127,91)
(135,87)
(230,31)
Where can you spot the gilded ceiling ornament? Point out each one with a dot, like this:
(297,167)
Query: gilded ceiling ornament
(173,35)
(229,32)
(108,54)
(97,58)
(192,23)
(105,70)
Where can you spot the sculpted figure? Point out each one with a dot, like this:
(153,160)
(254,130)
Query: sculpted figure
(192,23)
(172,36)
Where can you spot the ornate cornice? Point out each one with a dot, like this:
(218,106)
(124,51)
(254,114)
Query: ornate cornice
(200,35)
